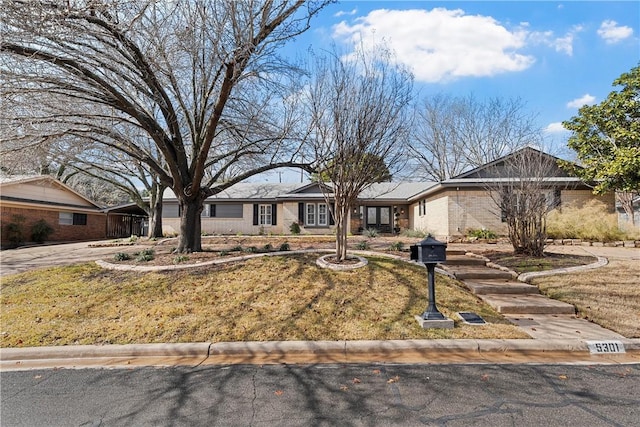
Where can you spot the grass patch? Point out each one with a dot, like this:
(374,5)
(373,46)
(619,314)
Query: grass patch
(590,222)
(525,263)
(274,298)
(608,296)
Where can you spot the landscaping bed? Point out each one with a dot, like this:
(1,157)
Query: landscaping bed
(526,264)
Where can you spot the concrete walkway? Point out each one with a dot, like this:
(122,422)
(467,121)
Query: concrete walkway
(521,303)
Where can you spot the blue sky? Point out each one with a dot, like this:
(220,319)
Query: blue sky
(555,56)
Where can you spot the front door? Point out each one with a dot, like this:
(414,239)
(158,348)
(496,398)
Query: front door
(379,218)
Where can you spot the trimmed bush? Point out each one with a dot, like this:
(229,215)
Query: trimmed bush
(284,247)
(14,231)
(294,228)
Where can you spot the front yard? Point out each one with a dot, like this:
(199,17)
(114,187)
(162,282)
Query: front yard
(273,298)
(283,297)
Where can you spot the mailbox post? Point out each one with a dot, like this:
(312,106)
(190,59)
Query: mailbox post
(431,252)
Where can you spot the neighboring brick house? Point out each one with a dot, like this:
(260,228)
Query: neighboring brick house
(28,199)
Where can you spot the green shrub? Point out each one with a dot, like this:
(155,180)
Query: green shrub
(121,256)
(40,231)
(251,250)
(363,246)
(482,233)
(267,247)
(371,232)
(180,258)
(133,239)
(294,228)
(590,222)
(396,247)
(284,247)
(145,255)
(236,249)
(14,231)
(224,253)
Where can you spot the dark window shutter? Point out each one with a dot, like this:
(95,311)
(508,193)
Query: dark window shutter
(255,214)
(301,213)
(332,220)
(274,214)
(212,211)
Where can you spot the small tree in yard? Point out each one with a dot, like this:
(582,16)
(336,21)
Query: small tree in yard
(358,126)
(524,195)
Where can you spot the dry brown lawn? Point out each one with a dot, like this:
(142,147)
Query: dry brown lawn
(273,298)
(608,296)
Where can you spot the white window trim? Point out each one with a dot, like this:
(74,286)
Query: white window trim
(307,212)
(265,215)
(326,215)
(65,218)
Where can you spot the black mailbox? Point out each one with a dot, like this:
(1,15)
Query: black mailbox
(429,251)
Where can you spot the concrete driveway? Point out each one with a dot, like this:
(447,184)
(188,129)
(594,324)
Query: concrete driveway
(14,261)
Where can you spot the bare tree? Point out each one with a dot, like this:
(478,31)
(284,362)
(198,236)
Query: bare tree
(201,79)
(524,190)
(454,134)
(358,109)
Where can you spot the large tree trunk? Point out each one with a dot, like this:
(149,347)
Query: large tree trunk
(155,211)
(190,238)
(155,221)
(341,231)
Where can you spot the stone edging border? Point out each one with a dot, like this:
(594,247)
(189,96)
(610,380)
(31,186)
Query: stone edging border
(527,277)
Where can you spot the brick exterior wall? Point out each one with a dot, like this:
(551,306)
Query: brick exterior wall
(473,209)
(95,229)
(451,213)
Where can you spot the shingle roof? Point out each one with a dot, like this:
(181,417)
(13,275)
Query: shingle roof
(274,191)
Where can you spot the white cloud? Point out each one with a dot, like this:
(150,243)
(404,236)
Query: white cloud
(611,32)
(343,13)
(586,99)
(555,128)
(442,44)
(562,44)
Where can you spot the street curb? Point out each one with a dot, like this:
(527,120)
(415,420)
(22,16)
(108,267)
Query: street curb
(314,352)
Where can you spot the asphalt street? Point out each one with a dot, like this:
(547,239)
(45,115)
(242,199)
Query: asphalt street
(326,395)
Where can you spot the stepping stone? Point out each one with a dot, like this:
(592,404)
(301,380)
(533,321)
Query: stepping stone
(527,304)
(455,252)
(464,260)
(470,272)
(500,287)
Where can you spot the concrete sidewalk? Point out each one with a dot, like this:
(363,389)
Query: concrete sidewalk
(468,351)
